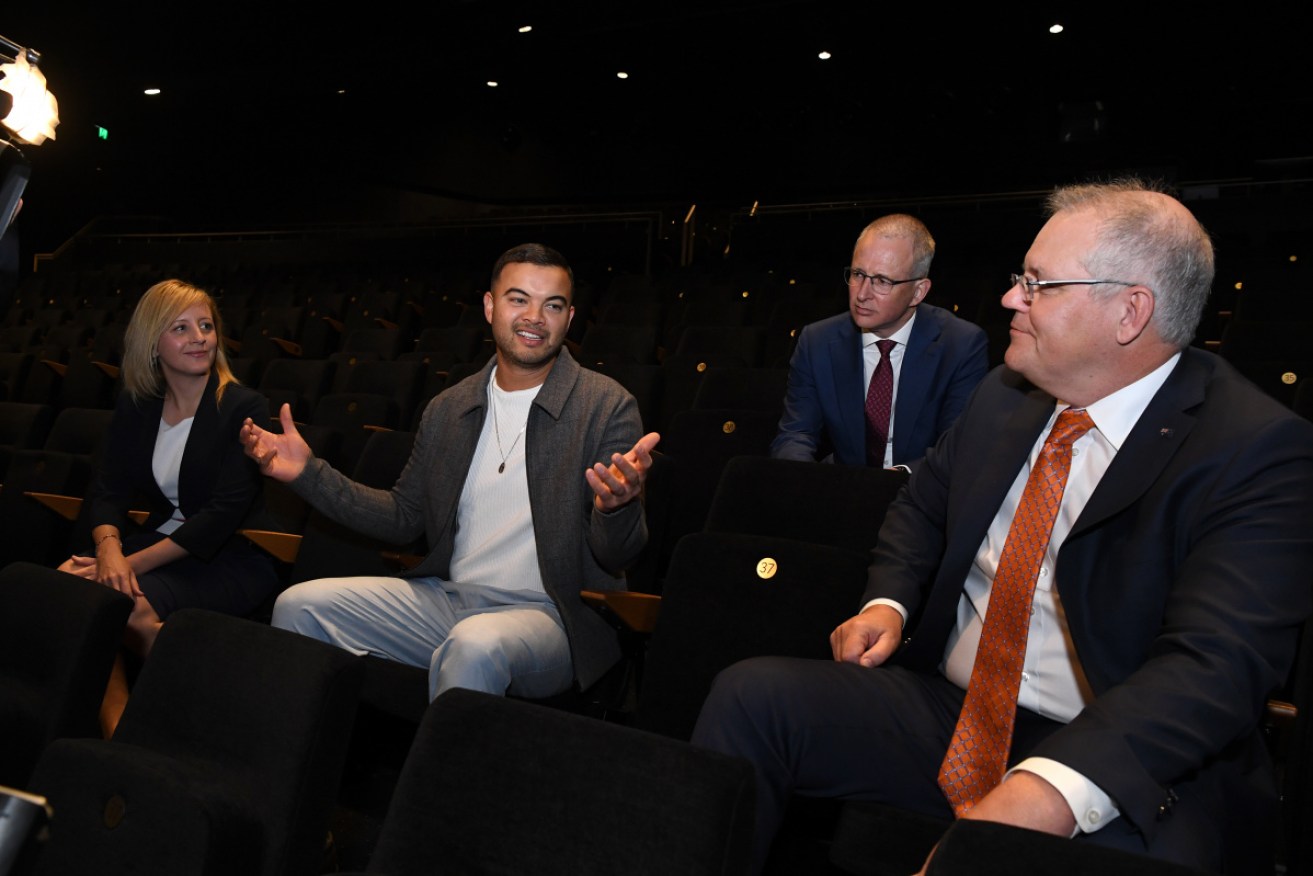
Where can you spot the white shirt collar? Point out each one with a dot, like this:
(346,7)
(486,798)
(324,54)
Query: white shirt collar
(898,337)
(1115,415)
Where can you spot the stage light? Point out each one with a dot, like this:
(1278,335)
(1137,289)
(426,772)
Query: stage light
(33,112)
(29,115)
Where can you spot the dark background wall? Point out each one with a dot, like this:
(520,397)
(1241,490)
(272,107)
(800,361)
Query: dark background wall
(274,114)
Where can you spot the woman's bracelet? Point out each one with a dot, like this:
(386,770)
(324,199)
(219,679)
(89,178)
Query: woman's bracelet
(111,535)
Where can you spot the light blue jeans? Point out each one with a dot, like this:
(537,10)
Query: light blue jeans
(482,638)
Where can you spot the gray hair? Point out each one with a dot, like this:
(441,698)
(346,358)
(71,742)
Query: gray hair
(1142,241)
(901,225)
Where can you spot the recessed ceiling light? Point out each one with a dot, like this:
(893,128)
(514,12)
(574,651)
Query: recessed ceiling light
(492,83)
(1055,28)
(622,75)
(526,28)
(824,56)
(152,91)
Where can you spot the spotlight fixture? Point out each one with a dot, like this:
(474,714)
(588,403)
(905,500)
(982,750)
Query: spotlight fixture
(29,114)
(32,112)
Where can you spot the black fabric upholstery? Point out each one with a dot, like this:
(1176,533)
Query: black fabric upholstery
(500,786)
(65,464)
(872,839)
(716,610)
(986,848)
(58,637)
(298,382)
(227,760)
(700,444)
(759,388)
(22,427)
(818,502)
(118,809)
(1294,756)
(395,689)
(356,416)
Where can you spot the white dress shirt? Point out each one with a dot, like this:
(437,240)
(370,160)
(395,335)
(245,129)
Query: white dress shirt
(1053,682)
(166,462)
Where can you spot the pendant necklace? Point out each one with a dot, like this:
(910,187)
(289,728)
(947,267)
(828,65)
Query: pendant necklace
(496,431)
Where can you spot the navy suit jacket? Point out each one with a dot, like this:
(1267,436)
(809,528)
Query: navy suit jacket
(1184,582)
(824,405)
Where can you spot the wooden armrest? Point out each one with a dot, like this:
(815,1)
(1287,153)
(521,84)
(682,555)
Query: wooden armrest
(69,507)
(282,545)
(232,344)
(1279,712)
(111,371)
(637,611)
(58,367)
(337,324)
(291,348)
(405,561)
(65,506)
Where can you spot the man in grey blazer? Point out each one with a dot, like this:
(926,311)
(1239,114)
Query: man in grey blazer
(525,480)
(934,359)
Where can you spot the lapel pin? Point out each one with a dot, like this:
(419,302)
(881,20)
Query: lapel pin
(1166,433)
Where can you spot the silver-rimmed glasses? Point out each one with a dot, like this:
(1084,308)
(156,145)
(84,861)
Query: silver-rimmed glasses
(879,282)
(1029,287)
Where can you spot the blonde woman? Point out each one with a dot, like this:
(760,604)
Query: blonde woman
(173,450)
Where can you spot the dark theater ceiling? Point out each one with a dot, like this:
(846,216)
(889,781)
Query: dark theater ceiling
(278,112)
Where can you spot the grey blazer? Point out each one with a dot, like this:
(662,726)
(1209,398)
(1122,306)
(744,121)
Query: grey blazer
(579,417)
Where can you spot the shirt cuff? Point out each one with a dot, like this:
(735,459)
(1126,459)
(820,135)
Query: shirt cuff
(1092,808)
(896,606)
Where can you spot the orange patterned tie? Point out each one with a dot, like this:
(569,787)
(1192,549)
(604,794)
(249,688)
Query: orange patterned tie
(978,753)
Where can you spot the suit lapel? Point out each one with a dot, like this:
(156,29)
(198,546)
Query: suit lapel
(920,361)
(201,453)
(1157,435)
(846,362)
(984,467)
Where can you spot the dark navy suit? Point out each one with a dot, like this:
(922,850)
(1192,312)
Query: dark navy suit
(1184,582)
(824,405)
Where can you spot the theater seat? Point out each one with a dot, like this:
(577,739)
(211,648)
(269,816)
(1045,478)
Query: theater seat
(227,759)
(58,637)
(494,785)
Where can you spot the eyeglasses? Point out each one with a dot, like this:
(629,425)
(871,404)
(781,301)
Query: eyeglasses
(1029,287)
(879,282)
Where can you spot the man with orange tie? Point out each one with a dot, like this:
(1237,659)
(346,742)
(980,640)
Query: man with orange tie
(879,383)
(1080,603)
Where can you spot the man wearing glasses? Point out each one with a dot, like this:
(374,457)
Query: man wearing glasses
(879,384)
(1082,599)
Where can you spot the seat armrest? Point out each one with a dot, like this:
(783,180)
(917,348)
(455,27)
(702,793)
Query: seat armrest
(69,507)
(637,612)
(282,545)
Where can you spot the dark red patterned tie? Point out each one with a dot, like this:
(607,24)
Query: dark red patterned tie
(879,404)
(978,753)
